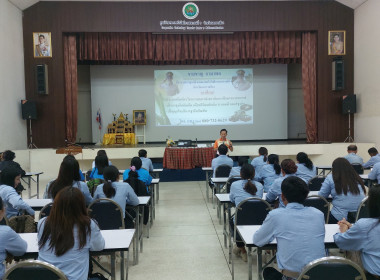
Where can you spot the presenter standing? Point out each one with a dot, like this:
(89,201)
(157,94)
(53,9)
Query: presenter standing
(223,140)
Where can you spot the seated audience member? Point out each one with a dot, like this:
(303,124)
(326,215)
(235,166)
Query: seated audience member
(375,158)
(305,168)
(11,242)
(235,171)
(223,141)
(120,192)
(260,161)
(288,168)
(221,159)
(101,162)
(375,173)
(68,176)
(241,190)
(346,188)
(299,230)
(146,162)
(143,173)
(101,153)
(352,157)
(10,177)
(363,236)
(269,172)
(7,159)
(67,235)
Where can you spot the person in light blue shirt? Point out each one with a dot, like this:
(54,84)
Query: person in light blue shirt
(364,235)
(375,173)
(352,157)
(10,177)
(306,170)
(346,188)
(101,162)
(299,231)
(235,171)
(288,169)
(375,158)
(67,235)
(68,175)
(120,192)
(221,159)
(269,172)
(11,242)
(241,190)
(146,162)
(143,173)
(260,161)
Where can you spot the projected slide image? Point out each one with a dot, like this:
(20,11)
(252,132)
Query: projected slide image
(203,97)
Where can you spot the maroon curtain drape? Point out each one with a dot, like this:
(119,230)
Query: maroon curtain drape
(71,86)
(309,84)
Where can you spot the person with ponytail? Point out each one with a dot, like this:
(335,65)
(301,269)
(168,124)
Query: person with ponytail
(305,167)
(120,192)
(346,188)
(260,161)
(68,176)
(288,168)
(270,171)
(144,175)
(241,190)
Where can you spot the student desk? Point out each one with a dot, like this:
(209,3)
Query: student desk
(115,240)
(208,171)
(29,177)
(323,169)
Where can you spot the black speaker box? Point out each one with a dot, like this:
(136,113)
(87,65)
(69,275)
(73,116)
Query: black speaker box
(349,104)
(338,74)
(42,79)
(28,109)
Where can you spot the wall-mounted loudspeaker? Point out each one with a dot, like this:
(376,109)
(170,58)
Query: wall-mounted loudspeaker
(42,79)
(338,74)
(28,110)
(349,104)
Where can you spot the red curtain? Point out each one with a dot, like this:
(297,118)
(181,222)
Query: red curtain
(309,84)
(71,86)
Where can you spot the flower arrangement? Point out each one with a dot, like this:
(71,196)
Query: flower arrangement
(170,142)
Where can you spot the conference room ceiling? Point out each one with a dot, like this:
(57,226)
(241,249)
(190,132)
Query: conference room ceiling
(24,4)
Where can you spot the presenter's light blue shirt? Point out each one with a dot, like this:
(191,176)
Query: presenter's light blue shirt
(372,161)
(124,194)
(75,262)
(342,204)
(258,163)
(354,158)
(220,160)
(305,173)
(300,234)
(76,184)
(13,202)
(268,175)
(238,194)
(147,164)
(10,242)
(274,191)
(363,236)
(143,175)
(375,173)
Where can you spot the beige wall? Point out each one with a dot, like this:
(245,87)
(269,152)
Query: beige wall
(367,72)
(12,82)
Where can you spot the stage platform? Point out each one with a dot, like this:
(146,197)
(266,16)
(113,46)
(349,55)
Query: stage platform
(48,161)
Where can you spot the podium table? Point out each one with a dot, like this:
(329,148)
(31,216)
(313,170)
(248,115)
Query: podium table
(187,157)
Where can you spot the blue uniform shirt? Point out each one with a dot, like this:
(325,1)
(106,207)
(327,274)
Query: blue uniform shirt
(147,164)
(258,163)
(74,263)
(235,171)
(305,173)
(274,191)
(76,184)
(354,158)
(95,175)
(268,175)
(143,175)
(13,202)
(375,173)
(342,204)
(222,159)
(124,194)
(300,234)
(238,194)
(372,161)
(10,242)
(363,236)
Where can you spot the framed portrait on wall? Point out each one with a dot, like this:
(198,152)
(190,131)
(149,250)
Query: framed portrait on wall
(139,117)
(337,42)
(42,44)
